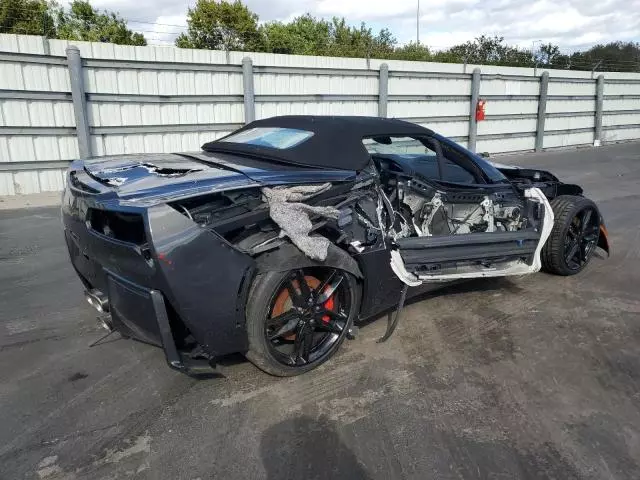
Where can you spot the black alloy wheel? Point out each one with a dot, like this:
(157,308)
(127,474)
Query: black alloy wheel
(304,317)
(307,316)
(574,237)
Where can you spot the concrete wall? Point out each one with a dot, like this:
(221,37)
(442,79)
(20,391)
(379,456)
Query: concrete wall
(164,99)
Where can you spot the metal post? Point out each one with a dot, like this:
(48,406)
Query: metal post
(383,90)
(249,94)
(542,110)
(597,141)
(473,123)
(418,24)
(74,64)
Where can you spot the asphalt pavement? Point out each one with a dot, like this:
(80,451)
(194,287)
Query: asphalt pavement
(536,377)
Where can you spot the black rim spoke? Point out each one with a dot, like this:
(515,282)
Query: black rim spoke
(573,250)
(330,325)
(305,292)
(586,216)
(296,298)
(329,288)
(333,314)
(318,291)
(584,252)
(282,324)
(303,344)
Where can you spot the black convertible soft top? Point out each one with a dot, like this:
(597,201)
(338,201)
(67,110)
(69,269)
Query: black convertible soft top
(336,141)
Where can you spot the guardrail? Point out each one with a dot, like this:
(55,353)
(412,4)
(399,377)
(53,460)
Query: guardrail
(114,106)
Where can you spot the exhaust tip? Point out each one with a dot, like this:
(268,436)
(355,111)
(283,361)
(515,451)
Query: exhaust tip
(97,300)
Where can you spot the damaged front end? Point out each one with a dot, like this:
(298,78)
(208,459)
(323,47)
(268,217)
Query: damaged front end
(431,234)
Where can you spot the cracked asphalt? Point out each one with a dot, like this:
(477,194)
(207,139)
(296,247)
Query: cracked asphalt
(537,377)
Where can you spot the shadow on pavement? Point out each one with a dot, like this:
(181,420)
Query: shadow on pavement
(303,447)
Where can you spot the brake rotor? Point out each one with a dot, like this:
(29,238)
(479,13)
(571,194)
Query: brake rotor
(283,301)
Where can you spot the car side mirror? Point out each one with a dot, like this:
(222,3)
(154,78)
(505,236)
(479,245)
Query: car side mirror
(484,154)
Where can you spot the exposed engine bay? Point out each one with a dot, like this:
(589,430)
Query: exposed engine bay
(425,211)
(440,234)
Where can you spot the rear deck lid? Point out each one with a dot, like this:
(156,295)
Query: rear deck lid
(153,178)
(162,175)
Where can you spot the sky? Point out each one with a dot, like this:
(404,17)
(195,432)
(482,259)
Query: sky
(571,24)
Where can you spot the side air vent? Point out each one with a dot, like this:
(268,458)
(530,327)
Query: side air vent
(126,227)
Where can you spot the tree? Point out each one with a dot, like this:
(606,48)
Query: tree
(307,35)
(348,41)
(487,50)
(384,44)
(412,51)
(548,54)
(27,17)
(83,22)
(614,56)
(304,35)
(221,26)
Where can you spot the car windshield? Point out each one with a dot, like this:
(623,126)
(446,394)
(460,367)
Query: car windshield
(274,137)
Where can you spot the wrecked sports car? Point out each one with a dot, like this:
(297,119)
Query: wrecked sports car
(277,239)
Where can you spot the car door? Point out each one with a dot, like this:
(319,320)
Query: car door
(449,177)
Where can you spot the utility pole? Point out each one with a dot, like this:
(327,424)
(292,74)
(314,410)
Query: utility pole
(418,24)
(533,50)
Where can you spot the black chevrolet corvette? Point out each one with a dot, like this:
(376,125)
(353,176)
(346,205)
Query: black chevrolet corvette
(277,239)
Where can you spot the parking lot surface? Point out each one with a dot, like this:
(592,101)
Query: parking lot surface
(536,377)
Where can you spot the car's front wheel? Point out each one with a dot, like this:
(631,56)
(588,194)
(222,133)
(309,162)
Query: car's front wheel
(296,320)
(574,237)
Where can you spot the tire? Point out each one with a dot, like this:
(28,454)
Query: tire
(267,289)
(568,211)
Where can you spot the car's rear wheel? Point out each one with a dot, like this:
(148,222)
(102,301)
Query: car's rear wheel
(296,320)
(574,237)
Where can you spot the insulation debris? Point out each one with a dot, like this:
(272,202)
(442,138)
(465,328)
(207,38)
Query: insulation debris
(288,211)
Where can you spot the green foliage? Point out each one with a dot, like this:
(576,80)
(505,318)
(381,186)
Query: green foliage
(83,22)
(348,41)
(618,56)
(413,51)
(80,22)
(221,26)
(304,35)
(491,51)
(548,54)
(27,17)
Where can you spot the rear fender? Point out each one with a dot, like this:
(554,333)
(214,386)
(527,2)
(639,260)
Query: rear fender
(568,189)
(289,257)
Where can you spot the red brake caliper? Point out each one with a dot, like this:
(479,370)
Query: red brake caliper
(329,304)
